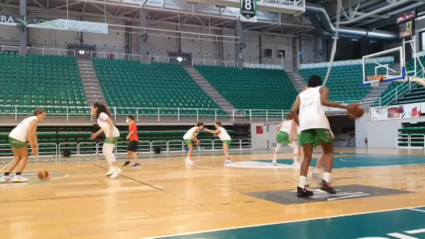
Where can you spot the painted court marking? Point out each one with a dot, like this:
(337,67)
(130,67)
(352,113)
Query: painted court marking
(295,221)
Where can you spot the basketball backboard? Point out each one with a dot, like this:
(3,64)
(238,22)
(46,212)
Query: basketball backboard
(388,65)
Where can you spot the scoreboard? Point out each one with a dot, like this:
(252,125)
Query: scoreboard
(406,23)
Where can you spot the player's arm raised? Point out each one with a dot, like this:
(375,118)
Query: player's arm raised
(295,109)
(213,131)
(32,137)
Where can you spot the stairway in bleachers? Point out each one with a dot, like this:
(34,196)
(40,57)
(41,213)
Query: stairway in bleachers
(91,83)
(210,90)
(297,80)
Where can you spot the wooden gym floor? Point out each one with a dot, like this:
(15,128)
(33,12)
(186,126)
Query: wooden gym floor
(247,199)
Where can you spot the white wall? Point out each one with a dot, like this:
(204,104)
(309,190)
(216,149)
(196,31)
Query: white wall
(361,130)
(260,140)
(382,133)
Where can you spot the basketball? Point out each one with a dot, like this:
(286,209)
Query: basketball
(198,142)
(43,174)
(355,111)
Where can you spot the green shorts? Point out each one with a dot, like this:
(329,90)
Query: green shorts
(282,137)
(114,141)
(315,137)
(16,143)
(228,142)
(188,142)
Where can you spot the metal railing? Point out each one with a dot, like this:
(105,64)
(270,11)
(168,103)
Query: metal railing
(158,113)
(393,95)
(407,139)
(208,62)
(50,51)
(145,147)
(138,112)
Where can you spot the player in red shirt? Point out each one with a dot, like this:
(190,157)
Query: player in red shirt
(134,141)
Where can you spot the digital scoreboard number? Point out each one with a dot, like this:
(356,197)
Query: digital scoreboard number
(406,29)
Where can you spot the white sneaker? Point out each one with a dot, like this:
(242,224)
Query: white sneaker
(227,161)
(188,161)
(117,171)
(5,179)
(110,172)
(274,162)
(19,179)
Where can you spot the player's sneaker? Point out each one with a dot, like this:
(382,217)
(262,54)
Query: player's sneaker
(5,179)
(19,179)
(274,162)
(188,161)
(110,172)
(117,171)
(327,187)
(136,165)
(227,161)
(303,192)
(126,163)
(316,177)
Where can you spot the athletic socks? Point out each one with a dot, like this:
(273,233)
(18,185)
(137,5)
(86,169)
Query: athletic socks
(327,177)
(303,179)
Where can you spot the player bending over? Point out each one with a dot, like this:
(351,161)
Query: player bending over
(314,126)
(190,137)
(286,130)
(18,137)
(225,138)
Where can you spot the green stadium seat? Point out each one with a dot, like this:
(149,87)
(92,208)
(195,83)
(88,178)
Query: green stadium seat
(251,88)
(40,80)
(155,85)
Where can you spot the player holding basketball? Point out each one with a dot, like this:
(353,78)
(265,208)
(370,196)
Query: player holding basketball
(314,128)
(133,142)
(225,138)
(189,138)
(18,137)
(112,134)
(285,135)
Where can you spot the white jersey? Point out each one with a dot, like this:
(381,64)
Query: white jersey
(189,133)
(101,121)
(20,132)
(312,112)
(286,126)
(223,135)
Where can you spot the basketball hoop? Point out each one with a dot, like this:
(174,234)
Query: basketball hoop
(375,79)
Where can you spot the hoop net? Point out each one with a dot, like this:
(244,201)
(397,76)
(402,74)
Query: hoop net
(375,79)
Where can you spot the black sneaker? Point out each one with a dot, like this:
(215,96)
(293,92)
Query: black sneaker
(327,187)
(126,163)
(302,192)
(136,165)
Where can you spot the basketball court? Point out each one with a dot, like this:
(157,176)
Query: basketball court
(379,191)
